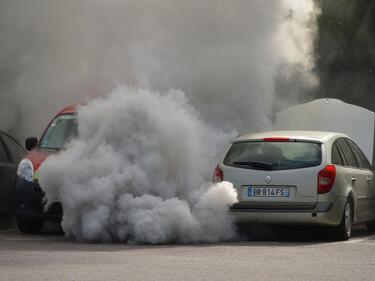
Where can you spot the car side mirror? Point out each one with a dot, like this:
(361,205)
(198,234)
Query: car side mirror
(31,143)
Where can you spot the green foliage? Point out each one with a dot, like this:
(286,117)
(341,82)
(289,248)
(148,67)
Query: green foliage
(345,51)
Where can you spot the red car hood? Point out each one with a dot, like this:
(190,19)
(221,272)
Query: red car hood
(37,157)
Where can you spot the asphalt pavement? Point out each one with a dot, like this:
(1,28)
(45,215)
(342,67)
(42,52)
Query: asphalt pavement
(287,254)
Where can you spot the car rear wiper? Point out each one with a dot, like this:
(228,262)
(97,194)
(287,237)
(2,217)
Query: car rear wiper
(255,164)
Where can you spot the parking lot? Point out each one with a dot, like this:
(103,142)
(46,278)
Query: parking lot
(294,254)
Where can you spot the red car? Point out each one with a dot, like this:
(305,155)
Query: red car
(29,207)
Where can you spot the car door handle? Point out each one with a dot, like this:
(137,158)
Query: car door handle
(368,179)
(354,179)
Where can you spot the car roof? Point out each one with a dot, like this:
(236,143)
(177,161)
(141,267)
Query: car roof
(319,136)
(69,109)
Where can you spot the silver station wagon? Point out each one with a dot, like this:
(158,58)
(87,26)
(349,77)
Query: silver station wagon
(300,177)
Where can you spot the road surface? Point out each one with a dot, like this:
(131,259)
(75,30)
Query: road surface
(302,256)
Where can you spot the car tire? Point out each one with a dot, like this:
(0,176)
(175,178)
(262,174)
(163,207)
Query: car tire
(29,226)
(343,231)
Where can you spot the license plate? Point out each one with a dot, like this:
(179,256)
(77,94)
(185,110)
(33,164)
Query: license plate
(283,192)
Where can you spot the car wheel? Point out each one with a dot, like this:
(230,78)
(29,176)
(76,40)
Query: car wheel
(343,231)
(29,226)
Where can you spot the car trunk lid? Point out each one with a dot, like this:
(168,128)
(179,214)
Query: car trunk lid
(274,173)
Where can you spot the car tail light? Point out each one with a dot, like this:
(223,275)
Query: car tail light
(276,139)
(218,174)
(326,179)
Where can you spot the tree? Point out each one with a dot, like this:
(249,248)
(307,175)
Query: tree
(345,51)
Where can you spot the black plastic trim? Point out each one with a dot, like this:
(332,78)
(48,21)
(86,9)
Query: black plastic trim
(307,207)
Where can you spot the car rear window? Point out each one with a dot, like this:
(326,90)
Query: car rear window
(359,155)
(336,156)
(348,154)
(261,155)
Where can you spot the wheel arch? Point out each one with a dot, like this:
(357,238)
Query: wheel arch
(350,196)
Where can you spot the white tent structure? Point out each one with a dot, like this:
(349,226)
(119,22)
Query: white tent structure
(334,116)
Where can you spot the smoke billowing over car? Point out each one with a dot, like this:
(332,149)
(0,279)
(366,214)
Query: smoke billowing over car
(29,205)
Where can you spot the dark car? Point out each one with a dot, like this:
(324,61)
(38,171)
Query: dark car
(11,153)
(30,208)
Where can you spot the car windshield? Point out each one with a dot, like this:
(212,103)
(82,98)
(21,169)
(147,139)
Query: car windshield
(274,155)
(62,129)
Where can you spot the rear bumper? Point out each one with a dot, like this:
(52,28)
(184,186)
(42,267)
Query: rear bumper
(323,213)
(29,202)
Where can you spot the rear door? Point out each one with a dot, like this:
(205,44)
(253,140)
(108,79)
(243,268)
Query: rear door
(367,180)
(357,178)
(275,174)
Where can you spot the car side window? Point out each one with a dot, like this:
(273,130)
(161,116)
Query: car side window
(348,154)
(336,157)
(360,156)
(3,153)
(15,149)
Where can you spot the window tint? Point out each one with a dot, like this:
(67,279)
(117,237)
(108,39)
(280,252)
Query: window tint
(348,154)
(361,158)
(3,154)
(336,155)
(259,155)
(14,148)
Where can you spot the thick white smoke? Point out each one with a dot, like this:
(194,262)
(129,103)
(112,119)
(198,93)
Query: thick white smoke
(223,54)
(138,172)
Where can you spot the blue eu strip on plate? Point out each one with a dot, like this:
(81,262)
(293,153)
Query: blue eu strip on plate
(250,192)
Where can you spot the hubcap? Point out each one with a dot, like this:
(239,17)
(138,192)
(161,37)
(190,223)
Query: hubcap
(348,219)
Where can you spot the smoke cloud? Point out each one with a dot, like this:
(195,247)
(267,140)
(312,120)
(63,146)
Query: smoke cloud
(140,168)
(223,55)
